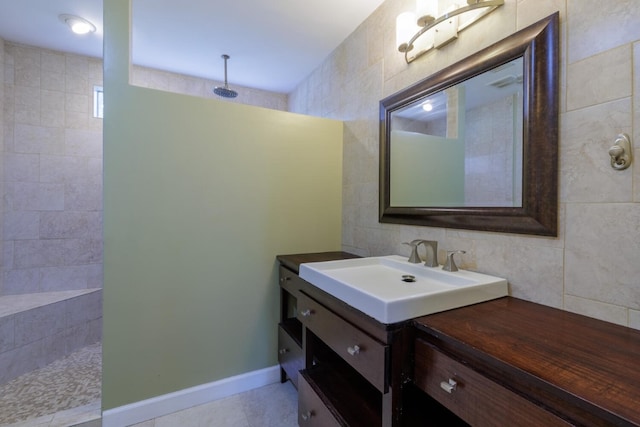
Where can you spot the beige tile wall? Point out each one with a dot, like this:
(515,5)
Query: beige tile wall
(593,267)
(52,192)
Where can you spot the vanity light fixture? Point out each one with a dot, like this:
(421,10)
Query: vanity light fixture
(422,31)
(77,24)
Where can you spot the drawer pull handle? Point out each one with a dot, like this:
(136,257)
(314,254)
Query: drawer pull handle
(284,279)
(283,351)
(449,386)
(353,350)
(307,415)
(306,313)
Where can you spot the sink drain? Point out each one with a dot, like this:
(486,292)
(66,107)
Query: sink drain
(408,278)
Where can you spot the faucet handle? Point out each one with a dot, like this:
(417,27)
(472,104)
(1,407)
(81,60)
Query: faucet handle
(414,257)
(450,265)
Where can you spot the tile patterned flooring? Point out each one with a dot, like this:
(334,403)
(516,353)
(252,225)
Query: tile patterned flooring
(61,394)
(67,393)
(275,405)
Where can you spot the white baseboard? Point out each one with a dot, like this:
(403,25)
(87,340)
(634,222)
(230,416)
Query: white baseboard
(166,404)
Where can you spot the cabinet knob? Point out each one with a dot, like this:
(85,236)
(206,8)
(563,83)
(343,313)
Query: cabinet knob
(353,350)
(283,351)
(449,386)
(285,279)
(306,313)
(307,415)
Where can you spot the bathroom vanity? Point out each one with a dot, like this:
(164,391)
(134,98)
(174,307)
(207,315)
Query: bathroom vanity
(342,356)
(496,363)
(349,368)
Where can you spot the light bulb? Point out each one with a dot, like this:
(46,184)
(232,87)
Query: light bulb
(78,25)
(427,106)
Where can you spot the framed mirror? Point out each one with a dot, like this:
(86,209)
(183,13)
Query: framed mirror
(475,146)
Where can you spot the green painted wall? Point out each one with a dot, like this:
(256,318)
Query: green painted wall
(199,197)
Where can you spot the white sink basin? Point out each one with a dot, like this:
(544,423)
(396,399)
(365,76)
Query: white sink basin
(375,286)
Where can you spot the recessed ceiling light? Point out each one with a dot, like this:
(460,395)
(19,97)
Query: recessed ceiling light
(77,24)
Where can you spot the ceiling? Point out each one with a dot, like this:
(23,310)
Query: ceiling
(273,44)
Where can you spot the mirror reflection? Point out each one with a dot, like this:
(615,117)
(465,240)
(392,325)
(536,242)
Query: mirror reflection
(461,146)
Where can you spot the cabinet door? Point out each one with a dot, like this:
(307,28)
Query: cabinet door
(473,397)
(290,355)
(312,412)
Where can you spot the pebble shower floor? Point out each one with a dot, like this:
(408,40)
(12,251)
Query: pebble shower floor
(34,398)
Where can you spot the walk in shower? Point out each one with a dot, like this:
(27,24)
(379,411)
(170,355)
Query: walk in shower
(51,234)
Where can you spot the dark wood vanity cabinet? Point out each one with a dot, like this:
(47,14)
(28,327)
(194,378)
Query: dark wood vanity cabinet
(366,355)
(290,330)
(473,397)
(351,367)
(290,355)
(519,363)
(505,362)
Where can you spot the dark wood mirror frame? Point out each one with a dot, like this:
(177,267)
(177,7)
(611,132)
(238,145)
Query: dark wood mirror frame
(538,45)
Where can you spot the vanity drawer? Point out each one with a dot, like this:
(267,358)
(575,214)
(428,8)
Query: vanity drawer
(366,355)
(312,412)
(473,397)
(290,281)
(290,355)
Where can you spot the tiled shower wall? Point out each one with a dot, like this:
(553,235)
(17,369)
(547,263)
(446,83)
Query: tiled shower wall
(592,266)
(52,195)
(485,147)
(203,88)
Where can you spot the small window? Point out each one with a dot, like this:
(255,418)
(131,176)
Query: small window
(98,102)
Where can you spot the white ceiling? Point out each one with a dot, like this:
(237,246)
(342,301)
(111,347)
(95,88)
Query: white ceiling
(273,44)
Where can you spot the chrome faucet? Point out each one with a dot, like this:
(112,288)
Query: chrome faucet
(433,245)
(428,244)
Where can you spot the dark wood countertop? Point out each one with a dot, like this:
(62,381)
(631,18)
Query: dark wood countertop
(293,261)
(575,366)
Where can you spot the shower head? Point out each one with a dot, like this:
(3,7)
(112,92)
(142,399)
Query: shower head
(225,92)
